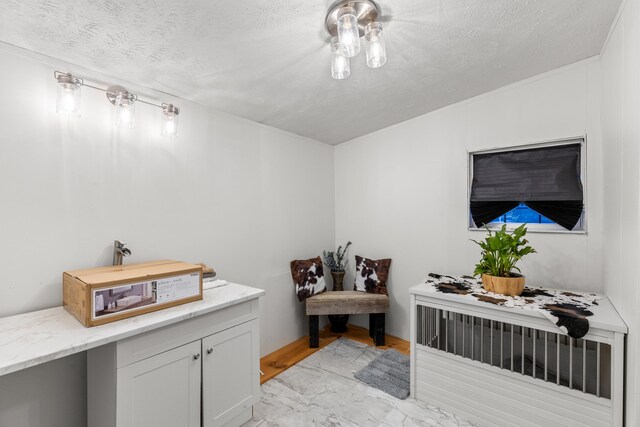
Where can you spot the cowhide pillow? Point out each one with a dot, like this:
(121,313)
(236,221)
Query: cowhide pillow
(308,276)
(371,275)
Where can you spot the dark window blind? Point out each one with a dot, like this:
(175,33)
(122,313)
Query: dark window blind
(545,179)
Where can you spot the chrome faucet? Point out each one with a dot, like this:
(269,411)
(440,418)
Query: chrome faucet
(119,250)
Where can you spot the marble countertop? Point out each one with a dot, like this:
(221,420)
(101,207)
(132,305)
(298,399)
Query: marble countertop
(40,336)
(604,317)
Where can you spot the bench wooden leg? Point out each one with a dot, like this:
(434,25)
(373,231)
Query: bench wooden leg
(378,329)
(371,323)
(314,331)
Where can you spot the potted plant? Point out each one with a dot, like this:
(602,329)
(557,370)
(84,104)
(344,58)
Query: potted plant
(337,261)
(500,253)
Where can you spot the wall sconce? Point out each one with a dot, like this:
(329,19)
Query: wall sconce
(68,103)
(125,110)
(125,107)
(169,120)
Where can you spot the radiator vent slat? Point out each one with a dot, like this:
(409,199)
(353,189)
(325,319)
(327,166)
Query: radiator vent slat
(558,345)
(522,350)
(501,345)
(584,365)
(446,345)
(511,345)
(570,362)
(577,364)
(598,370)
(491,344)
(482,340)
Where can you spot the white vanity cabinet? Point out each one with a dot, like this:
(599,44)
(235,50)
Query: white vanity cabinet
(201,371)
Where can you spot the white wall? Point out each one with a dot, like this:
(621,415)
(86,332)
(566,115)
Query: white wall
(402,192)
(621,133)
(242,197)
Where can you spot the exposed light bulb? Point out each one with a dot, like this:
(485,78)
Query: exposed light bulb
(170,127)
(68,101)
(124,116)
(348,33)
(339,64)
(376,53)
(125,110)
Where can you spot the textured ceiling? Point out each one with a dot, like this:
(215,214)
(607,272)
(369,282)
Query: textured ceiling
(268,61)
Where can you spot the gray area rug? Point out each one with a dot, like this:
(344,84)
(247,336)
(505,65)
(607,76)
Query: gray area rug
(388,372)
(321,391)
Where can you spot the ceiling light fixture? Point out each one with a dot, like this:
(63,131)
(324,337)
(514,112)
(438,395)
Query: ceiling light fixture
(347,21)
(68,103)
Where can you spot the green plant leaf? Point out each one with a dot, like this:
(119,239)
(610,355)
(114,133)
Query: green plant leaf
(501,251)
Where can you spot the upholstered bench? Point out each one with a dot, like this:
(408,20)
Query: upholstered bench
(348,302)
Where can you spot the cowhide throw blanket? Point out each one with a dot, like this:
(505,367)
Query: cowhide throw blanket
(568,310)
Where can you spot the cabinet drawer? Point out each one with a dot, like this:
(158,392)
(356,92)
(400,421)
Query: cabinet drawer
(150,343)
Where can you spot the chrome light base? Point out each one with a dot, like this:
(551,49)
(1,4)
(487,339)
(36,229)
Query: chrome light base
(170,110)
(366,12)
(68,80)
(113,92)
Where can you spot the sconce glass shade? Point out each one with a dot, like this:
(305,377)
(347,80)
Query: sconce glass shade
(348,33)
(376,53)
(125,109)
(68,101)
(169,120)
(339,64)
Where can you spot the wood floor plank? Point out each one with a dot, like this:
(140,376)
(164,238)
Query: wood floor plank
(282,359)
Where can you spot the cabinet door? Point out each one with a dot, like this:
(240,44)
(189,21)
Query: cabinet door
(163,390)
(230,373)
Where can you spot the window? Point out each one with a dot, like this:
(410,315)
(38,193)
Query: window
(540,185)
(522,214)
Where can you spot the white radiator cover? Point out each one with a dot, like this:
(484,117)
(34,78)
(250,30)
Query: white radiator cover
(493,396)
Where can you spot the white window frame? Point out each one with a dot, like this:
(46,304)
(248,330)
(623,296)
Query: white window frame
(534,228)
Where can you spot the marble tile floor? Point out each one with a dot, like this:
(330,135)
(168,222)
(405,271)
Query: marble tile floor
(321,391)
